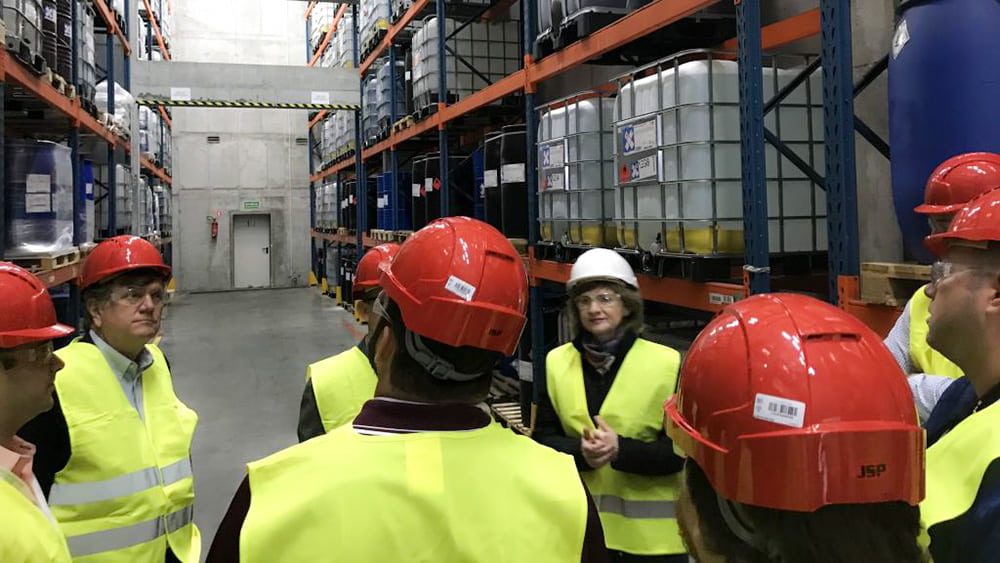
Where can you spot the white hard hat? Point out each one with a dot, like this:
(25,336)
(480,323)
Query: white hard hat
(601,264)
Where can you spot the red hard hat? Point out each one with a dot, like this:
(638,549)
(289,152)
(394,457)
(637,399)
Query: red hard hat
(460,282)
(958,181)
(787,402)
(120,254)
(27,314)
(366,276)
(979,222)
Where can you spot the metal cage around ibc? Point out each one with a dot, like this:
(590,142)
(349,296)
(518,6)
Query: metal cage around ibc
(576,169)
(677,156)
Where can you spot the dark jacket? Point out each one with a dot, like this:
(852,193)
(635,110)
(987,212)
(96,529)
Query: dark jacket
(634,456)
(973,537)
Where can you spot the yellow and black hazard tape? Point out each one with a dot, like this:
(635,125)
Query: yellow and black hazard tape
(227,104)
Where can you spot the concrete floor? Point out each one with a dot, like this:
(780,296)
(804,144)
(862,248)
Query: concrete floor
(238,359)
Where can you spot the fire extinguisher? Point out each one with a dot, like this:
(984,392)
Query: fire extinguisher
(215,229)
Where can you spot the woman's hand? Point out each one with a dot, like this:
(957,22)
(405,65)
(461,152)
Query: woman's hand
(599,446)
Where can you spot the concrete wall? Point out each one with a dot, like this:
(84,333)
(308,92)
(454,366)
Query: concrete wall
(256,158)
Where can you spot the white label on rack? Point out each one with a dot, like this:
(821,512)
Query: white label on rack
(37,203)
(554,181)
(721,299)
(180,94)
(320,97)
(642,169)
(786,412)
(552,156)
(512,173)
(38,183)
(639,137)
(415,190)
(490,179)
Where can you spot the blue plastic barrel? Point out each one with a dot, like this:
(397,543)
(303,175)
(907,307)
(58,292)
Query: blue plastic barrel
(944,87)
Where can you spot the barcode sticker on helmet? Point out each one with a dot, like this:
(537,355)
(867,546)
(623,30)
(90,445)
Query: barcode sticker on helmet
(779,411)
(460,288)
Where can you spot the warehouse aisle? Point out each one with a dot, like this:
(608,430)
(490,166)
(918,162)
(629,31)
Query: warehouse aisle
(239,358)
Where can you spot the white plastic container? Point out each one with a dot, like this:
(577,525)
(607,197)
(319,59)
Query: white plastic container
(343,39)
(575,167)
(383,100)
(677,154)
(374,16)
(489,49)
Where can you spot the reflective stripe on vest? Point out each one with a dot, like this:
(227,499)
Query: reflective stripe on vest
(956,464)
(127,491)
(479,495)
(926,359)
(637,511)
(123,485)
(122,538)
(341,385)
(26,534)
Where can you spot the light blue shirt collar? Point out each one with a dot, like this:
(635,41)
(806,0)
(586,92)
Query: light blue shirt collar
(122,367)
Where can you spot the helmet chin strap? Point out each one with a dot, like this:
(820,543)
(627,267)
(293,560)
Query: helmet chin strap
(738,522)
(437,367)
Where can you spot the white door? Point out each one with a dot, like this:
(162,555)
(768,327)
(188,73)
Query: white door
(251,251)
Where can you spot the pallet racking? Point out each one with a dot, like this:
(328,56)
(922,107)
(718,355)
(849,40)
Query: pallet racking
(831,21)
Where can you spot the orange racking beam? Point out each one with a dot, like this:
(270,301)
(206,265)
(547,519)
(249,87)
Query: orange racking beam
(390,35)
(166,118)
(701,296)
(59,276)
(45,92)
(109,19)
(347,163)
(639,23)
(879,318)
(156,30)
(309,8)
(319,117)
(498,10)
(158,172)
(782,33)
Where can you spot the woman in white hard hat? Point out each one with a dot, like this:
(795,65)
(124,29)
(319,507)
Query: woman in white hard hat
(603,405)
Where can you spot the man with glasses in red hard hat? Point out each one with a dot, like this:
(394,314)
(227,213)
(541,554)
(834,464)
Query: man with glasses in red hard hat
(953,184)
(423,473)
(115,451)
(962,509)
(28,532)
(337,386)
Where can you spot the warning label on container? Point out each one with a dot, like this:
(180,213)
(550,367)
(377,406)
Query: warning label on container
(415,190)
(553,181)
(552,156)
(428,184)
(383,202)
(639,137)
(512,173)
(490,179)
(37,203)
(641,169)
(38,183)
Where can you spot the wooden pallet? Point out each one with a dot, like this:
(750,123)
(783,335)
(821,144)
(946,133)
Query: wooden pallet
(401,236)
(47,262)
(402,124)
(520,244)
(510,415)
(59,83)
(886,283)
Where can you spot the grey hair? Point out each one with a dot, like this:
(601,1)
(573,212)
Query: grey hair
(631,299)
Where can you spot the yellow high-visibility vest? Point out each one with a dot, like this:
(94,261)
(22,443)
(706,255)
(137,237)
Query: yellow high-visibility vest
(956,464)
(26,534)
(637,511)
(341,385)
(461,497)
(927,359)
(127,491)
